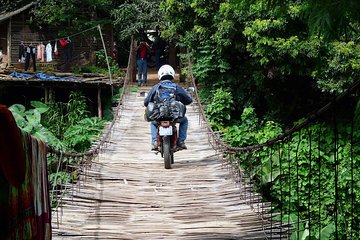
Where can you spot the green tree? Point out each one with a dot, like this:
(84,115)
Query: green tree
(334,19)
(135,17)
(72,16)
(268,55)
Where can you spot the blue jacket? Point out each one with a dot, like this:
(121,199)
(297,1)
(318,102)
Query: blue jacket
(180,95)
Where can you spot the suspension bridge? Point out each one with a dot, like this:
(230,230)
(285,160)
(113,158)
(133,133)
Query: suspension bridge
(301,184)
(127,194)
(213,191)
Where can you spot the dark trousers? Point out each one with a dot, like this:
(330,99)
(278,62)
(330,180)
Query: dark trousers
(67,54)
(27,61)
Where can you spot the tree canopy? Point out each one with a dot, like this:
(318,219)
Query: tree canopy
(136,17)
(267,55)
(278,56)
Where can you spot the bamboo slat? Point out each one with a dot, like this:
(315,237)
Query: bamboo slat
(129,195)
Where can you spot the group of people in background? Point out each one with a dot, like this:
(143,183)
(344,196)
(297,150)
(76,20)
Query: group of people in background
(142,54)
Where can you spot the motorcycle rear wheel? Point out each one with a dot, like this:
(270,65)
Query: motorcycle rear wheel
(167,152)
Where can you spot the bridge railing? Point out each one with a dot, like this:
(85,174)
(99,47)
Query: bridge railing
(304,183)
(79,163)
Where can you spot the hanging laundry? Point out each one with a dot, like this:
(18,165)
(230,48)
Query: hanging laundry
(25,211)
(38,165)
(41,52)
(30,53)
(68,51)
(48,51)
(21,52)
(11,149)
(17,213)
(63,42)
(56,49)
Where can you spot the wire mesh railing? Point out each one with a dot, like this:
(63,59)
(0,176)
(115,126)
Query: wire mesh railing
(304,183)
(78,163)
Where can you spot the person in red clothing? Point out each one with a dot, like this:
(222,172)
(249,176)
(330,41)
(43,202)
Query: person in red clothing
(141,60)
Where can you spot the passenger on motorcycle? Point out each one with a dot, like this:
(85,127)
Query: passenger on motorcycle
(167,74)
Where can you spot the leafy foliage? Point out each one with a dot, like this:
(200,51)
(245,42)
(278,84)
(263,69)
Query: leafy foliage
(71,15)
(7,6)
(266,54)
(65,126)
(333,19)
(30,121)
(341,66)
(309,176)
(80,136)
(101,62)
(135,17)
(219,109)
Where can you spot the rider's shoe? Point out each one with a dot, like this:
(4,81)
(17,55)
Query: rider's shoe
(154,146)
(182,145)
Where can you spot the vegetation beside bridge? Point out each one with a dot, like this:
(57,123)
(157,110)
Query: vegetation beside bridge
(261,67)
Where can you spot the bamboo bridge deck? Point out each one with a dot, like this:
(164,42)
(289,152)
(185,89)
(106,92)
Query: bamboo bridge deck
(129,195)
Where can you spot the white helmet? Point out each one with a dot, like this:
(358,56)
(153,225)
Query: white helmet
(166,70)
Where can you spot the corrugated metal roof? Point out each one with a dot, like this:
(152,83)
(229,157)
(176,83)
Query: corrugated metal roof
(7,15)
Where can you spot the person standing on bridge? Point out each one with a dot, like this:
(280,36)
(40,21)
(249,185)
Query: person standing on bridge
(141,59)
(167,73)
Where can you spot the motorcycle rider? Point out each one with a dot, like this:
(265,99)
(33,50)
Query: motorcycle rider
(167,73)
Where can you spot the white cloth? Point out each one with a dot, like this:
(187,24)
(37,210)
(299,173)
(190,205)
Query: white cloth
(48,51)
(55,49)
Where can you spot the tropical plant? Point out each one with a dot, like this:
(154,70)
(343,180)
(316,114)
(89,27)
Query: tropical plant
(30,121)
(81,135)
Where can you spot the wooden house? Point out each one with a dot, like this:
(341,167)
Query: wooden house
(16,27)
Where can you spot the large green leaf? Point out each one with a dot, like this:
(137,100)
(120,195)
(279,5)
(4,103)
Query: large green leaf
(33,116)
(41,107)
(18,109)
(48,137)
(20,120)
(326,232)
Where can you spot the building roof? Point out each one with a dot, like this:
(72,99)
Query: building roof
(7,15)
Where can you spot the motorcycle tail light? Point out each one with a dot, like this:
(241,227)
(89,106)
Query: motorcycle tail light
(165,123)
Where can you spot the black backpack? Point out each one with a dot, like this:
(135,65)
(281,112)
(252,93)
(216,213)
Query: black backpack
(165,92)
(164,105)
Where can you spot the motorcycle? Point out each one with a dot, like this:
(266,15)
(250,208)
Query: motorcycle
(167,139)
(167,135)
